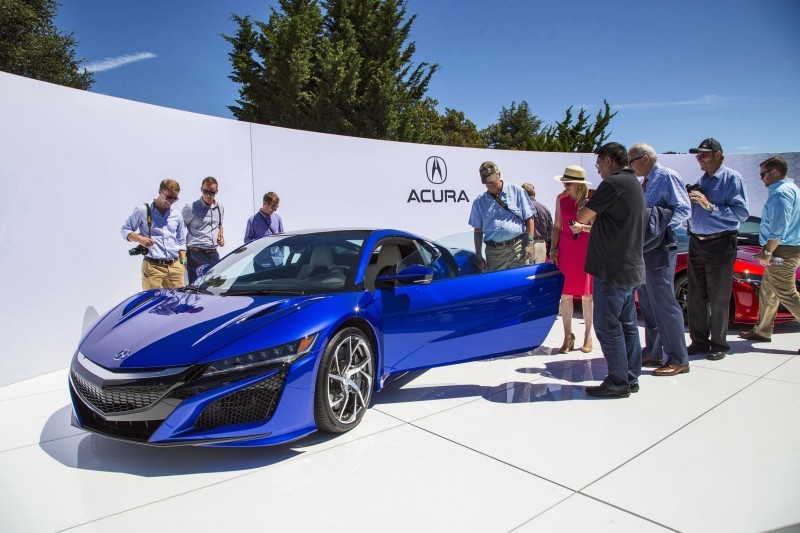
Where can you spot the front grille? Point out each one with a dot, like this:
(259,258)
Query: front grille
(118,399)
(254,403)
(137,430)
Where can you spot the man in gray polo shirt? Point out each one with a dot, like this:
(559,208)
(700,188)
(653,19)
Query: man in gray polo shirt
(203,219)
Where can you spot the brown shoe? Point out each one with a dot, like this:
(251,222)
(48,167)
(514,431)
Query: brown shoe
(649,361)
(753,336)
(671,370)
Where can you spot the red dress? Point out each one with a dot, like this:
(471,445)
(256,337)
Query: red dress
(572,252)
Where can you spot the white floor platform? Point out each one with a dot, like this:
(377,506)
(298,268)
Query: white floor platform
(511,444)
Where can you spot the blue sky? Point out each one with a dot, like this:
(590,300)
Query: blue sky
(676,71)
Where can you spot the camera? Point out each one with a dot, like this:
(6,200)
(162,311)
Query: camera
(693,187)
(139,250)
(575,236)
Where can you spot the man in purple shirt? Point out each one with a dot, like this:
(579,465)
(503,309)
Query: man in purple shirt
(266,222)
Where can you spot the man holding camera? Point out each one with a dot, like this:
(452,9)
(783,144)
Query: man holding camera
(203,219)
(161,236)
(719,206)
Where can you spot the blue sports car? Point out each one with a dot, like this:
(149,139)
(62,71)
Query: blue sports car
(292,333)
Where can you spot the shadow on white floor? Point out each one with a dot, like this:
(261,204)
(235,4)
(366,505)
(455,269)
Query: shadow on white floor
(511,444)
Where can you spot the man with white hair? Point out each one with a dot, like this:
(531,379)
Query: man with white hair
(663,318)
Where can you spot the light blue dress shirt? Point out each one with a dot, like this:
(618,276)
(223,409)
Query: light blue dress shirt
(781,216)
(665,188)
(725,189)
(497,223)
(167,230)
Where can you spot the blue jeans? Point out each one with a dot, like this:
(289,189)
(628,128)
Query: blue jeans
(615,326)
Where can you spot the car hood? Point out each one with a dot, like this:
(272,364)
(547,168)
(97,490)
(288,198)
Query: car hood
(168,328)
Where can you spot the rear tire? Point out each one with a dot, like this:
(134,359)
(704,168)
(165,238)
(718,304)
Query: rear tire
(682,293)
(344,382)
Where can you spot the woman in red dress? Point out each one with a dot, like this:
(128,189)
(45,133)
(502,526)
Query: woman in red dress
(568,252)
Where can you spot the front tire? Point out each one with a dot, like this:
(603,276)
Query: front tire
(344,382)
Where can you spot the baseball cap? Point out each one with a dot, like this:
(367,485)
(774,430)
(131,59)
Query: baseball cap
(708,145)
(489,172)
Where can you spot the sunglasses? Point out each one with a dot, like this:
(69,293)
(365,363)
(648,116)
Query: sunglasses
(762,174)
(209,192)
(169,197)
(703,155)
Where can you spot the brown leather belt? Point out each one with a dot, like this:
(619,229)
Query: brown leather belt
(202,250)
(509,242)
(163,262)
(712,236)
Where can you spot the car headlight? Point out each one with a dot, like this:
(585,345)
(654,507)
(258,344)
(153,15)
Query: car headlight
(747,277)
(284,353)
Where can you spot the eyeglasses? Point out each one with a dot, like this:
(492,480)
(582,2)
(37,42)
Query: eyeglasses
(209,192)
(274,207)
(762,174)
(703,155)
(630,162)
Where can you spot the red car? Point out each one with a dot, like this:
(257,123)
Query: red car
(747,274)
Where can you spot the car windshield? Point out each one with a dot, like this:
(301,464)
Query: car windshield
(314,263)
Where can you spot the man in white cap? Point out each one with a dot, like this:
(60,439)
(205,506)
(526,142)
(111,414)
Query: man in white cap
(503,220)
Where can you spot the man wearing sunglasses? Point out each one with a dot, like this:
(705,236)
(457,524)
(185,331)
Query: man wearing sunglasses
(161,234)
(719,206)
(203,220)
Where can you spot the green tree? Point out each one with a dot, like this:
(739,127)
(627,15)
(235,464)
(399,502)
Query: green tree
(32,46)
(581,136)
(517,128)
(279,91)
(342,66)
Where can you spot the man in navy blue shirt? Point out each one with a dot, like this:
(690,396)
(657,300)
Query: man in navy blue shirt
(719,206)
(266,221)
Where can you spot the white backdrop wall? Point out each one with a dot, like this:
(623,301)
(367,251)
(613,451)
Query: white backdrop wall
(73,164)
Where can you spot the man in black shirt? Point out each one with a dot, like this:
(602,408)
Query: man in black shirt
(618,213)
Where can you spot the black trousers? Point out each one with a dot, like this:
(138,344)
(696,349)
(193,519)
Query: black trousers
(195,260)
(710,284)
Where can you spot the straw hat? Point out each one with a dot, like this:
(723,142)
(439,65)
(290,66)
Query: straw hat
(573,174)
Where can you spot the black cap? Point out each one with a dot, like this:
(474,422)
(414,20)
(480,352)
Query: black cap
(708,145)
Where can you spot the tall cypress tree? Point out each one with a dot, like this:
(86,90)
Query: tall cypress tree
(32,46)
(348,71)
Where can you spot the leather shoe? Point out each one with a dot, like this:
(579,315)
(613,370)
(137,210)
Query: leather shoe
(671,370)
(649,361)
(693,349)
(716,356)
(753,336)
(607,392)
(634,387)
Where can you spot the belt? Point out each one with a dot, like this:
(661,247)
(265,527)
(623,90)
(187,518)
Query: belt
(164,262)
(202,250)
(712,236)
(509,242)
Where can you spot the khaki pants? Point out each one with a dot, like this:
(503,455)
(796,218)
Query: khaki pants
(156,276)
(778,287)
(539,253)
(503,257)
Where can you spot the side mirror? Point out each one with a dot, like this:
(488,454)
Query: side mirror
(414,274)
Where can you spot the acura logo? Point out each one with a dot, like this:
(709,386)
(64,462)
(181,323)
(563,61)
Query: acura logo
(122,355)
(436,169)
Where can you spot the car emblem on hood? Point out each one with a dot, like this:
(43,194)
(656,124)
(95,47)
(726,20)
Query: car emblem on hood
(122,355)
